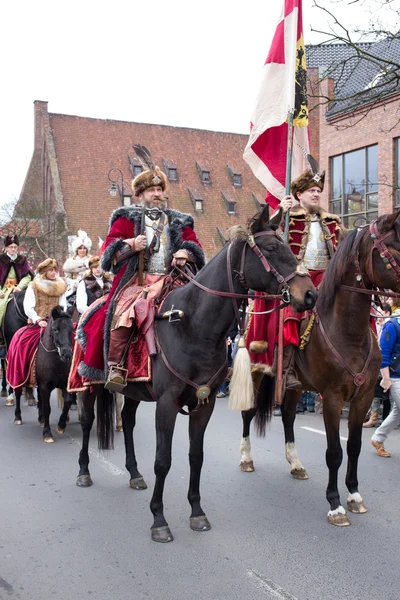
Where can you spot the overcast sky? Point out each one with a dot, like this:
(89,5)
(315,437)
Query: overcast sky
(170,62)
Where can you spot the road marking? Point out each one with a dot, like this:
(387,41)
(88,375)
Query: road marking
(106,464)
(322,432)
(269,587)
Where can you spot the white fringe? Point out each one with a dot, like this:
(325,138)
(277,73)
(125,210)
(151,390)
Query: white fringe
(241,389)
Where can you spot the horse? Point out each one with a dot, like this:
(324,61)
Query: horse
(190,364)
(53,362)
(341,359)
(14,319)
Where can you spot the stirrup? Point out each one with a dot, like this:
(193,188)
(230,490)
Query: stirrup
(117,379)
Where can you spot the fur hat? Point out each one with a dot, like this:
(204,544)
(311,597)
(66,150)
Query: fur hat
(81,240)
(94,262)
(11,239)
(147,179)
(306,181)
(44,266)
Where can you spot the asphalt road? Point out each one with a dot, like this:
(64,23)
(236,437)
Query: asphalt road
(270,538)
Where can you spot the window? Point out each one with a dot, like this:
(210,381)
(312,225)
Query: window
(126,201)
(170,169)
(397,172)
(196,199)
(235,176)
(137,169)
(136,165)
(354,185)
(204,172)
(172,174)
(230,203)
(205,176)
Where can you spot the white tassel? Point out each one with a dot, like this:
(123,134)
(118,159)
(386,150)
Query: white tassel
(241,394)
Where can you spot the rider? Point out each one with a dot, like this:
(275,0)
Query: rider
(95,284)
(15,274)
(76,265)
(44,293)
(167,238)
(313,236)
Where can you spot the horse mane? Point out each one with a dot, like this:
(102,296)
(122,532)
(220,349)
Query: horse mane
(337,267)
(236,233)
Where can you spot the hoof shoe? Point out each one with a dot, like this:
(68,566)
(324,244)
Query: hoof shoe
(84,481)
(9,402)
(358,508)
(119,428)
(200,523)
(48,439)
(300,474)
(247,466)
(161,534)
(339,520)
(60,431)
(138,484)
(17,422)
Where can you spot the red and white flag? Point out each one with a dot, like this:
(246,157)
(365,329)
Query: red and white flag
(283,89)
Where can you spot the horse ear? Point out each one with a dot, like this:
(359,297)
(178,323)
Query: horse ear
(56,312)
(388,221)
(260,221)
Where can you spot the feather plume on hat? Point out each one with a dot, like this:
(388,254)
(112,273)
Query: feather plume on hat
(151,176)
(310,178)
(81,240)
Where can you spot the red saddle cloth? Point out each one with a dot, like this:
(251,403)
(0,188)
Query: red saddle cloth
(21,355)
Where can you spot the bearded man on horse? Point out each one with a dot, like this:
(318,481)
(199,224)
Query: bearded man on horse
(160,237)
(313,237)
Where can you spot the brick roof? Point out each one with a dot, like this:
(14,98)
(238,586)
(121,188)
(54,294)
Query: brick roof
(355,75)
(86,149)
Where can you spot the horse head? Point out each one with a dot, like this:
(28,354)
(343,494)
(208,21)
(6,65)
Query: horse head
(379,252)
(61,328)
(269,263)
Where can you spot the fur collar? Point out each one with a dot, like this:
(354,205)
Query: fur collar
(298,211)
(134,214)
(54,288)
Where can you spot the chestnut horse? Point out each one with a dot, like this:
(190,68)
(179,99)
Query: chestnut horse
(191,359)
(341,359)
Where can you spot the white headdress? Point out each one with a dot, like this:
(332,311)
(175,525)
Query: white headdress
(81,240)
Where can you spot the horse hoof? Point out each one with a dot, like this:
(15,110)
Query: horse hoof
(84,481)
(17,422)
(247,466)
(200,523)
(31,402)
(357,507)
(3,393)
(119,428)
(41,424)
(60,431)
(300,474)
(340,520)
(9,402)
(138,484)
(48,439)
(161,534)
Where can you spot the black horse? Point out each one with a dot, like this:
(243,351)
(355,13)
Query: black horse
(53,362)
(14,319)
(191,361)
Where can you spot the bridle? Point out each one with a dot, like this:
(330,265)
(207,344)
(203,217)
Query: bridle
(203,390)
(58,347)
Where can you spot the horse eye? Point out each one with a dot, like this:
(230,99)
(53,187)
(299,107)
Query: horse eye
(270,249)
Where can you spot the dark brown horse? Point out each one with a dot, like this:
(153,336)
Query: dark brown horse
(341,359)
(193,358)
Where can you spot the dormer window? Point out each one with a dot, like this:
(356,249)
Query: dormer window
(137,169)
(136,165)
(170,169)
(204,172)
(235,176)
(230,204)
(196,199)
(257,202)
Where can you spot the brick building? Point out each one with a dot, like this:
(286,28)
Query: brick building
(356,138)
(77,160)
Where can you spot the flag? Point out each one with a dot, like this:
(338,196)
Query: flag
(283,89)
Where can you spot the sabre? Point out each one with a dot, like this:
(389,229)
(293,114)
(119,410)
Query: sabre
(141,253)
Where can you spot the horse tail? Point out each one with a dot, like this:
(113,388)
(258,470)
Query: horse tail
(265,399)
(105,419)
(60,399)
(241,396)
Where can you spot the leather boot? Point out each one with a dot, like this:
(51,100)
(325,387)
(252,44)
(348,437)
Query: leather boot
(290,376)
(373,420)
(117,374)
(380,450)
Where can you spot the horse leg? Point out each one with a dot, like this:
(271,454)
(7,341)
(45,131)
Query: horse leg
(136,481)
(3,379)
(332,408)
(30,396)
(166,412)
(197,426)
(87,417)
(10,397)
(17,413)
(45,400)
(358,410)
(288,409)
(119,403)
(40,409)
(63,420)
(246,464)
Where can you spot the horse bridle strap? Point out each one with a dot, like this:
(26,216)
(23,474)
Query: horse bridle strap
(358,378)
(378,244)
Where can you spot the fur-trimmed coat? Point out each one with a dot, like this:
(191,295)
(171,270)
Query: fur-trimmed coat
(20,264)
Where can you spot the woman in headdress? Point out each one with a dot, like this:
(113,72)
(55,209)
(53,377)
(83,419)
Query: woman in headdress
(76,266)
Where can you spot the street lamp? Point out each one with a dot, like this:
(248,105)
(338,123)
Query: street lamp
(114,183)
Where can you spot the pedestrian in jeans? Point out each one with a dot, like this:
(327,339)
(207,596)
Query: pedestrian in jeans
(390,371)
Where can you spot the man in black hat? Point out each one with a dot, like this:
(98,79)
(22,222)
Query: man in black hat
(15,274)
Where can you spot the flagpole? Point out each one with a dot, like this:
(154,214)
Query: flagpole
(279,378)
